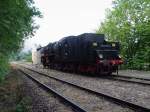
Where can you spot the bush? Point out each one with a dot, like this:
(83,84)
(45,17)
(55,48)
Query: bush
(4,67)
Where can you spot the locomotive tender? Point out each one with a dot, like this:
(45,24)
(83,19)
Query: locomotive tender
(86,53)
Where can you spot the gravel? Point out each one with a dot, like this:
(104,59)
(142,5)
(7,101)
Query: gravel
(88,101)
(134,93)
(41,100)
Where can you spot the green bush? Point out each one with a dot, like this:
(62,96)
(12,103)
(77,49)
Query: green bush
(129,23)
(4,67)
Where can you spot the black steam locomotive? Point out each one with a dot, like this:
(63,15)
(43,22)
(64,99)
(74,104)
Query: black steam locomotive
(86,53)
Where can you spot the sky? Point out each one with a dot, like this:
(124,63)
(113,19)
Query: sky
(63,18)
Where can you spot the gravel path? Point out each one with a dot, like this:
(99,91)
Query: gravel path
(134,93)
(90,102)
(41,100)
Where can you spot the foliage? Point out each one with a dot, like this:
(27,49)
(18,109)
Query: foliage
(16,24)
(3,66)
(129,23)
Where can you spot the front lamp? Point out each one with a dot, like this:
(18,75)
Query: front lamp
(100,56)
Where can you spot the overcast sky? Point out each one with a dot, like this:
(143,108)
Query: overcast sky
(67,17)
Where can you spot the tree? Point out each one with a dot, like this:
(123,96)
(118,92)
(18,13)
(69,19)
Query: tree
(23,56)
(16,24)
(129,23)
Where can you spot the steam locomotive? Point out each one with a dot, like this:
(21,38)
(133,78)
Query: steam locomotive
(85,53)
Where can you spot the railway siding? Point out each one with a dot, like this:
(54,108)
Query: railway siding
(134,93)
(135,73)
(41,100)
(90,102)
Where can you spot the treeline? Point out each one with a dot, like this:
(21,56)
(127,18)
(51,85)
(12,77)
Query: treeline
(23,56)
(129,23)
(16,24)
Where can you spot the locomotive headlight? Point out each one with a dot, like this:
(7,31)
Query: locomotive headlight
(94,44)
(119,56)
(113,44)
(100,56)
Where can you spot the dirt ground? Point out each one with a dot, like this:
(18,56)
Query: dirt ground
(11,98)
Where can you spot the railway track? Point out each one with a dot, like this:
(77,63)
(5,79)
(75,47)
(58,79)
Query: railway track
(136,80)
(75,106)
(128,77)
(113,99)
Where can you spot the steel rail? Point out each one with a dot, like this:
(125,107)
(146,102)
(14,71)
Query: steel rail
(76,107)
(112,98)
(130,77)
(125,79)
